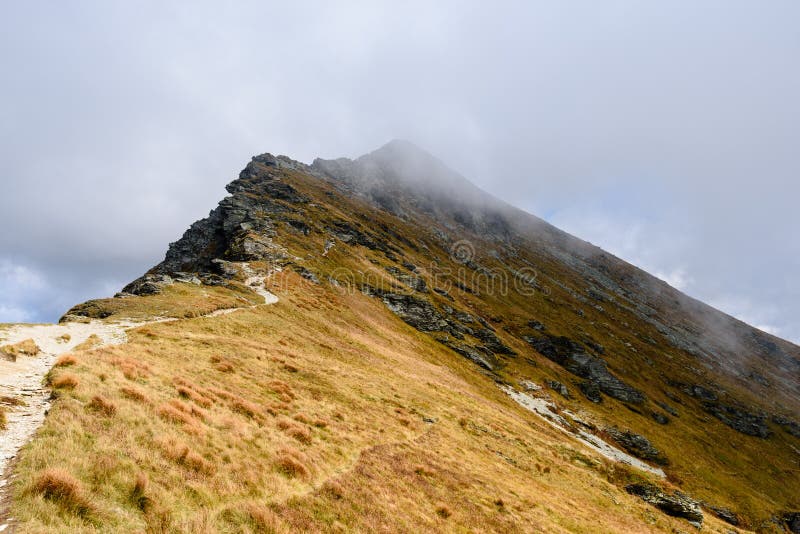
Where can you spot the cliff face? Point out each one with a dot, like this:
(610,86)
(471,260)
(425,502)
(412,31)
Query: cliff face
(518,298)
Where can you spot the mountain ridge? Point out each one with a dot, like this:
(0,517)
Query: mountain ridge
(629,358)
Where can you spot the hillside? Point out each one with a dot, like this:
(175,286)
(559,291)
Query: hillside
(377,345)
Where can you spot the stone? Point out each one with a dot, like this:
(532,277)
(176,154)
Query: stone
(527,385)
(637,445)
(471,353)
(726,514)
(676,504)
(307,274)
(149,284)
(792,521)
(739,419)
(560,388)
(417,312)
(659,417)
(790,426)
(591,391)
(492,342)
(667,408)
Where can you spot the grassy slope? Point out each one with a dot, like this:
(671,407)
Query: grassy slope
(369,379)
(291,429)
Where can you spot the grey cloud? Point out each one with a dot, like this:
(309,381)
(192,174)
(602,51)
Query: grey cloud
(675,124)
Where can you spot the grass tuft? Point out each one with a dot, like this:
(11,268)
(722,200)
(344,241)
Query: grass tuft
(65,361)
(102,405)
(65,381)
(292,463)
(58,486)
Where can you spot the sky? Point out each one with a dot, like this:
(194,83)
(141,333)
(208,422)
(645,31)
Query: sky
(667,133)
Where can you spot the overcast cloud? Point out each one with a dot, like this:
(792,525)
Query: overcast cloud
(666,132)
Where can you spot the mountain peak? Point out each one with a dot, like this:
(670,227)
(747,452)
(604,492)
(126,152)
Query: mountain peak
(394,259)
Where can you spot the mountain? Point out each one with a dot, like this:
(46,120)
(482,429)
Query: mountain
(379,345)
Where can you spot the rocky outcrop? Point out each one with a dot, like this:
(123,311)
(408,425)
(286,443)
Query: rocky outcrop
(572,356)
(739,419)
(637,445)
(790,426)
(675,504)
(149,284)
(484,359)
(492,342)
(419,313)
(792,521)
(726,514)
(242,227)
(559,387)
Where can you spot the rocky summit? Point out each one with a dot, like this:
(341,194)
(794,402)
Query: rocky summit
(378,345)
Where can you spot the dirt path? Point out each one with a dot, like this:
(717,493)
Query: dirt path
(22,380)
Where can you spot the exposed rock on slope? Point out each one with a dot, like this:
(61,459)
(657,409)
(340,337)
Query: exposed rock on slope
(521,300)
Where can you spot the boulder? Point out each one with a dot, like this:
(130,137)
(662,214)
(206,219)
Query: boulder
(676,504)
(149,284)
(559,387)
(471,353)
(637,445)
(726,514)
(792,521)
(417,312)
(739,419)
(492,342)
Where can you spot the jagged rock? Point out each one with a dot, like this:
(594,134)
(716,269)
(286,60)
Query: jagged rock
(559,387)
(92,309)
(417,312)
(536,325)
(591,391)
(443,293)
(637,445)
(149,284)
(792,521)
(305,273)
(492,342)
(527,385)
(211,279)
(739,419)
(659,417)
(187,278)
(792,427)
(464,317)
(699,392)
(667,408)
(675,504)
(726,514)
(571,355)
(414,282)
(482,359)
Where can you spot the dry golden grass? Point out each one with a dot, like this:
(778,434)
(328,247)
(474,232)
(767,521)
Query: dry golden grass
(61,488)
(340,446)
(27,347)
(250,461)
(91,342)
(65,360)
(65,381)
(102,406)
